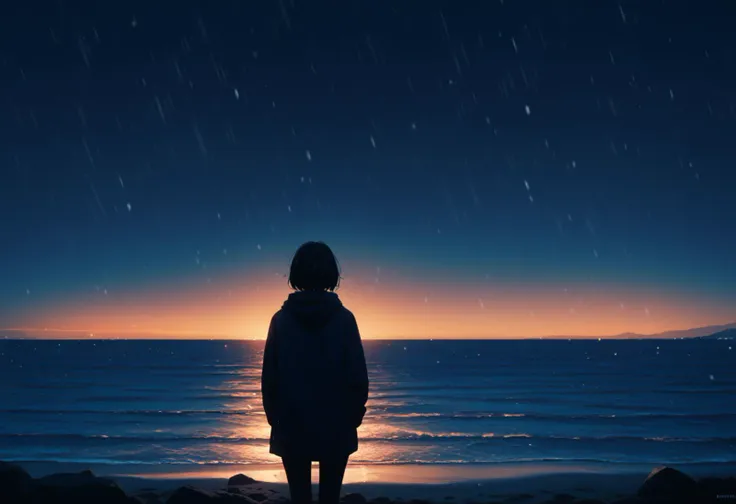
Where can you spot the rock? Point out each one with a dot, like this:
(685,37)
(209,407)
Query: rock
(353,498)
(78,488)
(15,483)
(258,497)
(71,479)
(240,480)
(670,486)
(192,495)
(589,501)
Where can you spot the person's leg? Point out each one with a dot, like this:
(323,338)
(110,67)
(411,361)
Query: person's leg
(331,472)
(299,475)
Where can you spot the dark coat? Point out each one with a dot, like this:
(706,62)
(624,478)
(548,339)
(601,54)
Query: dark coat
(314,381)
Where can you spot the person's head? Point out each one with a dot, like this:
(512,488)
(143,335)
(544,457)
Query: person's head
(314,268)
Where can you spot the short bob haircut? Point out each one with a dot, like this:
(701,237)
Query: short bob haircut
(314,268)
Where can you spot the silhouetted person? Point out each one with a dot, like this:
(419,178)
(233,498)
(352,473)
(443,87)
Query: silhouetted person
(314,380)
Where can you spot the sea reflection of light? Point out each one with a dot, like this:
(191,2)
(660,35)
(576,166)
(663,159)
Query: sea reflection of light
(249,424)
(378,435)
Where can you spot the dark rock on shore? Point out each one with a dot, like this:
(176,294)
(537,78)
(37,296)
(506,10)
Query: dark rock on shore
(78,488)
(15,482)
(670,486)
(353,498)
(240,480)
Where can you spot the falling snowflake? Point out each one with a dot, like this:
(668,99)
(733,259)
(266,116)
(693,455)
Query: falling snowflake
(528,110)
(237,93)
(130,207)
(309,156)
(373,142)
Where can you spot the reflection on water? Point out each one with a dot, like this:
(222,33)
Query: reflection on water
(197,405)
(254,428)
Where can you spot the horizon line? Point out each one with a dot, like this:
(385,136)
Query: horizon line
(153,335)
(527,338)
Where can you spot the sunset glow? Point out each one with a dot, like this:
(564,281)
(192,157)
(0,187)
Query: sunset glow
(387,304)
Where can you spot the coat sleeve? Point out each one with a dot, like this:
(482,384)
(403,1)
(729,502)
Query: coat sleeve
(357,374)
(269,375)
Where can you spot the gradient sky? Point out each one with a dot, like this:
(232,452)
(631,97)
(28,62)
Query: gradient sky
(481,168)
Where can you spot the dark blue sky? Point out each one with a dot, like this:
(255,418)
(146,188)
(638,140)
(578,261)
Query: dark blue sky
(154,143)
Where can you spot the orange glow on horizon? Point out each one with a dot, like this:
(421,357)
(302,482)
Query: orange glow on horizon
(386,307)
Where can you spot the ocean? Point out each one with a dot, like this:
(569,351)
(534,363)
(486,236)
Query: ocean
(196,403)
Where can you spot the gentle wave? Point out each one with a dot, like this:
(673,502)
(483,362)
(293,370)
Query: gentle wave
(552,416)
(384,415)
(403,437)
(142,412)
(711,461)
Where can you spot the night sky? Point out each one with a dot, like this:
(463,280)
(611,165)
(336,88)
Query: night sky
(480,168)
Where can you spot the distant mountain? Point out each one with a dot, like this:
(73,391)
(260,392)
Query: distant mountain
(726,334)
(697,332)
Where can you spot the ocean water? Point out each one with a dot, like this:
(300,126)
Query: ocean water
(184,403)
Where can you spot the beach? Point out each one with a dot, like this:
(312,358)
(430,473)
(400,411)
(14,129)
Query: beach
(506,484)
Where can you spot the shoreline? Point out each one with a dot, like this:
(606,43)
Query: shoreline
(360,473)
(522,483)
